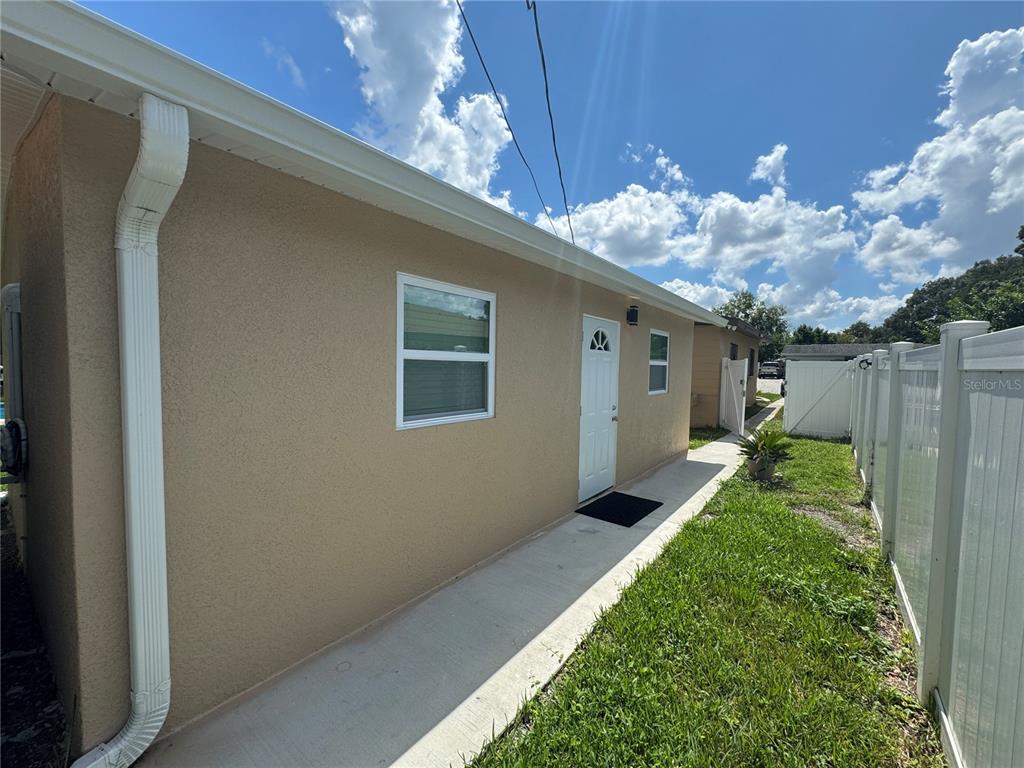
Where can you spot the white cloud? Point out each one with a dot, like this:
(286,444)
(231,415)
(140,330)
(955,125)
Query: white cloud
(882,177)
(973,171)
(698,293)
(720,233)
(636,226)
(284,61)
(771,167)
(409,54)
(903,252)
(828,307)
(669,172)
(797,238)
(1008,174)
(977,166)
(984,77)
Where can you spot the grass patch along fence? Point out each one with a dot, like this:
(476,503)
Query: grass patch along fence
(756,638)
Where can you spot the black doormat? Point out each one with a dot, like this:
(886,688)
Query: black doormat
(620,508)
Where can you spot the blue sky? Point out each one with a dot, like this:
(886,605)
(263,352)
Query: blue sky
(662,111)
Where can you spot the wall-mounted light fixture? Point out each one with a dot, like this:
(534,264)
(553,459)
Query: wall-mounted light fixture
(633,315)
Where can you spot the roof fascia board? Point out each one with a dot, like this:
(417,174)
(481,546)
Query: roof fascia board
(81,44)
(743,331)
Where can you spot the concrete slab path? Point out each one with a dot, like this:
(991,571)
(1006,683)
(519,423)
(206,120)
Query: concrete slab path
(429,684)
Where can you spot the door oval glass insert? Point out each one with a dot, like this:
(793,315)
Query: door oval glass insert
(600,341)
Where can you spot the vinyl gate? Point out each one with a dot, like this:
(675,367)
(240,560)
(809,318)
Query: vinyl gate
(733,395)
(818,398)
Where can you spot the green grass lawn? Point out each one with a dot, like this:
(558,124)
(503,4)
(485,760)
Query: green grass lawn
(760,637)
(771,397)
(704,435)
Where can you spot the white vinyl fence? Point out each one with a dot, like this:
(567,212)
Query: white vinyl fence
(938,434)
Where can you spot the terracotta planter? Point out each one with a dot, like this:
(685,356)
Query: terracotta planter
(761,469)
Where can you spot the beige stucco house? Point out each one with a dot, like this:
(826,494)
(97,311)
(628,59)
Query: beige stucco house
(276,383)
(738,340)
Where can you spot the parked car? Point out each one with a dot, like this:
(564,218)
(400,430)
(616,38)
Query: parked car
(769,370)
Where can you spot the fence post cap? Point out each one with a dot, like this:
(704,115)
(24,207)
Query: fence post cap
(964,327)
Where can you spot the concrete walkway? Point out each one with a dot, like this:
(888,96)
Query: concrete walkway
(430,684)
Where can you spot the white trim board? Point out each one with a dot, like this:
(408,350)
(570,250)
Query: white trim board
(402,354)
(662,363)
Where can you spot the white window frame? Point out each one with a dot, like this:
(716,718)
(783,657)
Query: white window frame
(650,362)
(422,354)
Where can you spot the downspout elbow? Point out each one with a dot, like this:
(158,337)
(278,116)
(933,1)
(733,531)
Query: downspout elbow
(155,180)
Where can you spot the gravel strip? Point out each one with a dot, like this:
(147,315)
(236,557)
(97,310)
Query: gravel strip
(33,729)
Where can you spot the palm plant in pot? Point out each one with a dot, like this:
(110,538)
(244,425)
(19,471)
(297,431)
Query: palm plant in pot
(764,449)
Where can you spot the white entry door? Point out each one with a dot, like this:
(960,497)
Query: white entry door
(732,395)
(599,405)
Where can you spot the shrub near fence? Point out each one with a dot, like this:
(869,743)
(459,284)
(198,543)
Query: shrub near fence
(939,437)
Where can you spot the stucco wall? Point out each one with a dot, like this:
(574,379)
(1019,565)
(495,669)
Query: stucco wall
(296,513)
(710,345)
(33,254)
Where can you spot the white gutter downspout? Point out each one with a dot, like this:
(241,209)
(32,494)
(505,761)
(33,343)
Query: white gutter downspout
(154,181)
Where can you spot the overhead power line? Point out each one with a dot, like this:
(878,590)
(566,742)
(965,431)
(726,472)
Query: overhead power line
(501,106)
(532,6)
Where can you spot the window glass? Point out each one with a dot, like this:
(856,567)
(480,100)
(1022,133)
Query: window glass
(659,347)
(444,321)
(658,378)
(444,388)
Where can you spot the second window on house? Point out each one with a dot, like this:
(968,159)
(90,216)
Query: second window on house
(657,368)
(445,353)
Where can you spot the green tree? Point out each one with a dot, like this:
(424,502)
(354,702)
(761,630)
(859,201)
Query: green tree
(769,319)
(858,333)
(1003,307)
(806,334)
(990,290)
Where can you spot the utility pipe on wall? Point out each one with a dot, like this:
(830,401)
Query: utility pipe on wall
(155,179)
